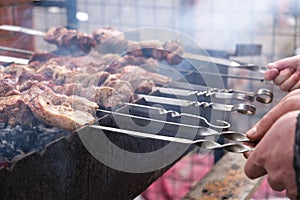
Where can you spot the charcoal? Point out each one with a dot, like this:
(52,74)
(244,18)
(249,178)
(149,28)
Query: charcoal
(21,140)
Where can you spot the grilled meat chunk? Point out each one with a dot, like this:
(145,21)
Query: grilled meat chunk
(110,40)
(102,35)
(117,65)
(14,111)
(59,115)
(39,58)
(8,87)
(132,71)
(68,89)
(82,104)
(71,40)
(123,88)
(106,97)
(44,91)
(59,110)
(173,51)
(139,83)
(146,48)
(144,86)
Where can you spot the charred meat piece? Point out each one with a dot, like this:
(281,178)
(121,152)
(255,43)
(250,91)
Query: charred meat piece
(173,52)
(81,78)
(47,70)
(13,69)
(71,40)
(116,66)
(38,58)
(82,104)
(123,88)
(108,98)
(65,89)
(57,110)
(102,78)
(57,73)
(110,40)
(14,111)
(59,115)
(68,89)
(105,97)
(22,73)
(44,91)
(8,87)
(139,83)
(26,85)
(110,78)
(146,48)
(144,86)
(61,73)
(80,61)
(104,34)
(93,60)
(136,70)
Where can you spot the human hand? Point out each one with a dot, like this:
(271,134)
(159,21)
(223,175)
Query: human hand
(290,102)
(274,155)
(285,73)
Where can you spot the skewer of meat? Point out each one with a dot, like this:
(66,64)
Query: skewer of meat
(110,40)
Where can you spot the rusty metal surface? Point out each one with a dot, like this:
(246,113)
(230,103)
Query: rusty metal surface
(226,180)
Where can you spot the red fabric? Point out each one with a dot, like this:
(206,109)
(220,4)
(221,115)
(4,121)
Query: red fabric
(179,179)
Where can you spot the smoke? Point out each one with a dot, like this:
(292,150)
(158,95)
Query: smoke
(218,24)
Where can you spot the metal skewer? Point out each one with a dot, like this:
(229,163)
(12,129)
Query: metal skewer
(201,131)
(3,48)
(205,144)
(20,29)
(9,59)
(225,62)
(262,95)
(241,108)
(175,114)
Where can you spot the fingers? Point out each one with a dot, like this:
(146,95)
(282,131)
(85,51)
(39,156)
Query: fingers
(296,86)
(249,144)
(289,103)
(284,75)
(291,82)
(258,131)
(293,61)
(254,169)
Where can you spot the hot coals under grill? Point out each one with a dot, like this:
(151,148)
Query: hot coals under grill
(18,141)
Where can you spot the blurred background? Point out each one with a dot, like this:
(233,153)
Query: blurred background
(214,24)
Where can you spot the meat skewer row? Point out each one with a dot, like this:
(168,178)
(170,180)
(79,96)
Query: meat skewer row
(110,40)
(53,94)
